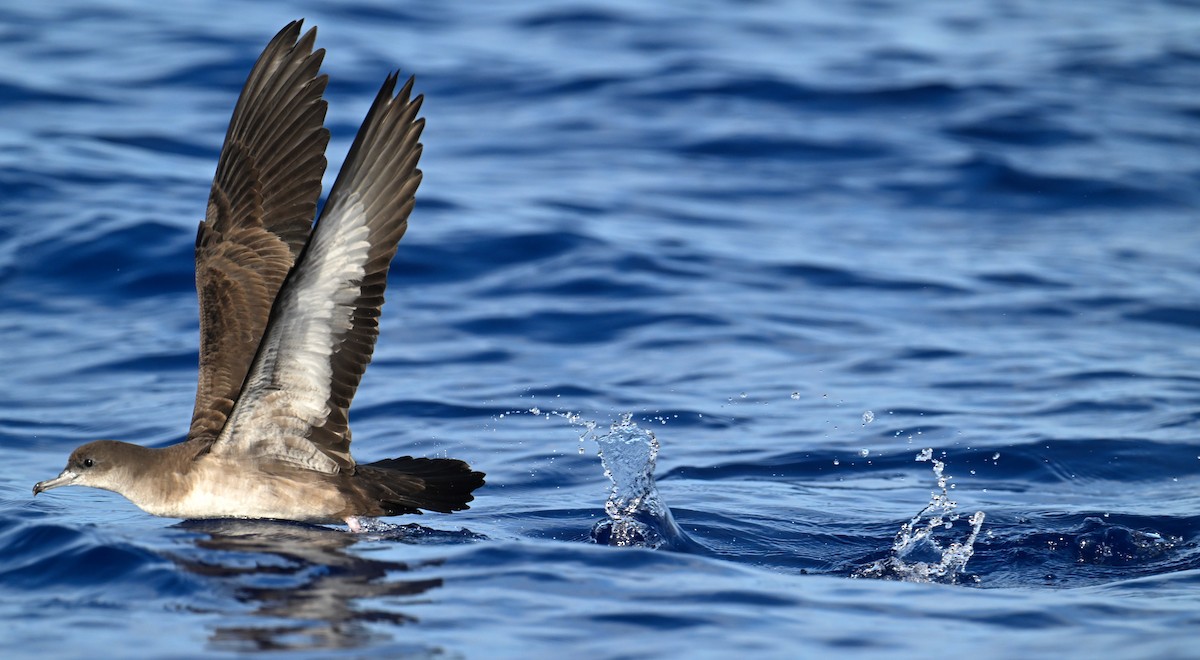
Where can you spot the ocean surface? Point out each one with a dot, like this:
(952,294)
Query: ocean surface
(781,329)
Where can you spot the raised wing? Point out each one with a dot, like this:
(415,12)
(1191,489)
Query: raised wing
(260,214)
(325,320)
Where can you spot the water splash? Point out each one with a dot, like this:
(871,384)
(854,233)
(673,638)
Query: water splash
(917,556)
(412,533)
(375,526)
(1102,543)
(636,514)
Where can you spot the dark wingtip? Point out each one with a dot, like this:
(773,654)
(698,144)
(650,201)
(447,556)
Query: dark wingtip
(289,31)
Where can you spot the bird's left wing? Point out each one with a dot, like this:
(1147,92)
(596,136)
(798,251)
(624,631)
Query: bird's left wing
(260,212)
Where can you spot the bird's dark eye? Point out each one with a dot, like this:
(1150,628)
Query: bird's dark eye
(87,462)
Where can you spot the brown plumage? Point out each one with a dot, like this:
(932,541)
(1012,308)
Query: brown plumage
(289,316)
(260,212)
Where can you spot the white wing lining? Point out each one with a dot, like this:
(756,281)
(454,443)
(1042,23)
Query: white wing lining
(287,391)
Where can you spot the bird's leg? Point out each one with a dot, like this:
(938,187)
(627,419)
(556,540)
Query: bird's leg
(355,524)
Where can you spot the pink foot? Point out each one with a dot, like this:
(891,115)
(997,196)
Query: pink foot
(355,524)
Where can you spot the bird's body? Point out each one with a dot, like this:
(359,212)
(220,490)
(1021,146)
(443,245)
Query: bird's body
(288,319)
(168,482)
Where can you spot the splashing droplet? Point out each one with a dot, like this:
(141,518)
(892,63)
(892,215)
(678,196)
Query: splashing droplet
(868,417)
(917,556)
(796,397)
(864,452)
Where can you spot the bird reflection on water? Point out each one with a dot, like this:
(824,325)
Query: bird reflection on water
(304,581)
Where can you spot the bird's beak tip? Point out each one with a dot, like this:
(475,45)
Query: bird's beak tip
(64,479)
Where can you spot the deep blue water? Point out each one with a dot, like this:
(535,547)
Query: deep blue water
(747,224)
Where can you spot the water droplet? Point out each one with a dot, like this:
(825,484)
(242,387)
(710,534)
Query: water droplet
(926,454)
(796,397)
(996,456)
(836,462)
(742,395)
(864,452)
(868,417)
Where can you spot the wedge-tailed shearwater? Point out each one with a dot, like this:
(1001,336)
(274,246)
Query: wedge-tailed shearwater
(289,316)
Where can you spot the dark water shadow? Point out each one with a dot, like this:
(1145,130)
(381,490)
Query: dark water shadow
(301,588)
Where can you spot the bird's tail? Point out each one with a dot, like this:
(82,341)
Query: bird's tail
(407,484)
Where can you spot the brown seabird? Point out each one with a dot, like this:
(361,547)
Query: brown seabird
(289,315)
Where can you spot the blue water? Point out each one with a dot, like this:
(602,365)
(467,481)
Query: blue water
(745,224)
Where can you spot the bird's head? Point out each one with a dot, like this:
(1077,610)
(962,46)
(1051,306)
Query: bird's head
(96,464)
